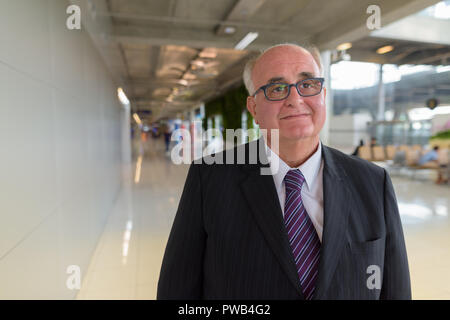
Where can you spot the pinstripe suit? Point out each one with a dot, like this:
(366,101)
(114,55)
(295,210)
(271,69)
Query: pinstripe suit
(228,239)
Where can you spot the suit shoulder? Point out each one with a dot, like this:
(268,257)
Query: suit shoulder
(231,157)
(222,162)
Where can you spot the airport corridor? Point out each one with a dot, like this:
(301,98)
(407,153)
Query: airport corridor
(127,260)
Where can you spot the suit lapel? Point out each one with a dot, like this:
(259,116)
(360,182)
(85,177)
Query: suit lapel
(336,210)
(261,195)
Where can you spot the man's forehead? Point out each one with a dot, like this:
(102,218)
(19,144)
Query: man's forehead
(278,62)
(286,54)
(300,75)
(281,71)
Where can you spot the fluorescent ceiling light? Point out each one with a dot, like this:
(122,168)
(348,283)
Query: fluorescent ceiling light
(136,118)
(122,96)
(344,46)
(249,38)
(385,49)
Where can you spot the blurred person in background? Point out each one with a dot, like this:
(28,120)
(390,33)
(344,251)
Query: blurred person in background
(167,135)
(431,157)
(431,160)
(361,143)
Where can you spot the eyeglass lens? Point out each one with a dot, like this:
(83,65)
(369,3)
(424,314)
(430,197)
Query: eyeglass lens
(308,87)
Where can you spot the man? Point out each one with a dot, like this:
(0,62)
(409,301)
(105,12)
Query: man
(323,226)
(356,152)
(373,142)
(431,157)
(431,160)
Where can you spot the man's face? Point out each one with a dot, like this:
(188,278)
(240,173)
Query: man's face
(296,117)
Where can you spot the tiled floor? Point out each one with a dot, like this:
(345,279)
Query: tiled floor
(127,260)
(424,209)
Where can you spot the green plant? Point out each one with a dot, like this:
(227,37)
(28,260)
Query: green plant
(442,135)
(230,106)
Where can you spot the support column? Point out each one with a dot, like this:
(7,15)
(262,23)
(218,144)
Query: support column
(326,64)
(381,95)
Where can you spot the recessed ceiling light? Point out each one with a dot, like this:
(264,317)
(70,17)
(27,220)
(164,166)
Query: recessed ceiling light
(198,63)
(208,53)
(229,30)
(344,46)
(189,76)
(385,49)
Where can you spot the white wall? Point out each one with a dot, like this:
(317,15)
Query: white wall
(439,123)
(59,149)
(347,130)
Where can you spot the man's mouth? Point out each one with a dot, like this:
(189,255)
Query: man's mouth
(293,116)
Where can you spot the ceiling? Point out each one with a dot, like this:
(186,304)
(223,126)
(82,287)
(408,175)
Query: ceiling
(405,52)
(170,55)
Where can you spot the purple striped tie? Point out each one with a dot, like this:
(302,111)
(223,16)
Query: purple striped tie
(302,235)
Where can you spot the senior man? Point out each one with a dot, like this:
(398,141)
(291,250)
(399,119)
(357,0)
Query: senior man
(323,225)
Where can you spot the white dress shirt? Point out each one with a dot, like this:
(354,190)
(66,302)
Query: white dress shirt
(312,190)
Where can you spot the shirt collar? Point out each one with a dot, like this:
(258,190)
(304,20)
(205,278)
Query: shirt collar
(310,168)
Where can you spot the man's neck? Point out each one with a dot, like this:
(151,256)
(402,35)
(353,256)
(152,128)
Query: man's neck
(295,152)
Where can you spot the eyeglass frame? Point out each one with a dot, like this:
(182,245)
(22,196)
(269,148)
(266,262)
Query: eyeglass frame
(263,88)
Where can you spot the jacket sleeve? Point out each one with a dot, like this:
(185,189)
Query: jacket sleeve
(396,279)
(182,267)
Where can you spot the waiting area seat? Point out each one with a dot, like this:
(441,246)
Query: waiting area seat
(406,157)
(378,153)
(365,153)
(390,152)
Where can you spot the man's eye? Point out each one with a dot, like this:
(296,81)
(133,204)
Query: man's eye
(279,88)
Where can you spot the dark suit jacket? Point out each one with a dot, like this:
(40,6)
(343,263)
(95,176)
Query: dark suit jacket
(228,239)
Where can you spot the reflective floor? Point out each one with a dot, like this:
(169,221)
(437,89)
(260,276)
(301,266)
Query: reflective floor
(127,260)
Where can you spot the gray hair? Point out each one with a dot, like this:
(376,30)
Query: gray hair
(248,69)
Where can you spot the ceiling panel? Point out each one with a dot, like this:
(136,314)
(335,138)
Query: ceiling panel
(172,54)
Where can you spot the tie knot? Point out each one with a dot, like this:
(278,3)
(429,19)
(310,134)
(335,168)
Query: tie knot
(294,180)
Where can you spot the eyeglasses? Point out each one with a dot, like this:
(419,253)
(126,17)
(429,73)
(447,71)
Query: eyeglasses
(279,91)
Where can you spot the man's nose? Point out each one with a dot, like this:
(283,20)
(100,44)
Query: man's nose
(294,97)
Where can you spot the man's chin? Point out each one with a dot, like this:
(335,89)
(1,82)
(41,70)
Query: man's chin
(296,136)
(292,140)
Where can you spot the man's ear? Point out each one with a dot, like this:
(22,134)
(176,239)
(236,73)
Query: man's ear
(251,107)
